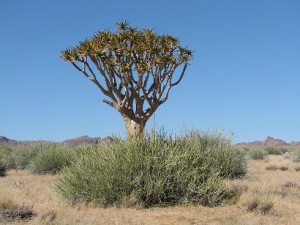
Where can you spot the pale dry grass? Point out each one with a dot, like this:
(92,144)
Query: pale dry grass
(282,188)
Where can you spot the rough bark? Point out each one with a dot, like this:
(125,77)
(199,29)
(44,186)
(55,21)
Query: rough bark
(134,127)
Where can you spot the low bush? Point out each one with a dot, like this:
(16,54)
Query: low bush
(258,154)
(40,157)
(20,157)
(2,170)
(273,151)
(51,160)
(4,151)
(296,155)
(297,168)
(156,170)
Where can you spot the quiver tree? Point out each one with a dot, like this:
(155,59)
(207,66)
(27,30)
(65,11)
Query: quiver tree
(134,69)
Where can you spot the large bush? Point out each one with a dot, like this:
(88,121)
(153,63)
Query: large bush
(155,170)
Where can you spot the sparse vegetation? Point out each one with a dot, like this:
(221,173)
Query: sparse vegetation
(258,154)
(296,155)
(272,167)
(43,157)
(4,151)
(2,169)
(270,150)
(10,211)
(51,160)
(259,201)
(283,168)
(153,171)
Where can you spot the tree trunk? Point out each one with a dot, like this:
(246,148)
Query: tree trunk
(134,127)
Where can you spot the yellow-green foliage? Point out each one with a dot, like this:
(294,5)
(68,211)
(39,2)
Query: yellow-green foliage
(51,160)
(296,155)
(258,154)
(41,157)
(153,171)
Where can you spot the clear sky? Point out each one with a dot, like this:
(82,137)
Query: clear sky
(244,78)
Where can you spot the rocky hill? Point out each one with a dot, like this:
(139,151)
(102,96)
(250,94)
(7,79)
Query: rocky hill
(86,140)
(269,141)
(70,142)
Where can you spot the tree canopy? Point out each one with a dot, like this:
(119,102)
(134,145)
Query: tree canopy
(135,69)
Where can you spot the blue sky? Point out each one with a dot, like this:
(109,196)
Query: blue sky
(244,78)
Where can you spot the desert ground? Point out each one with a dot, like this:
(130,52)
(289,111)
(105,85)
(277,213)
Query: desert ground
(267,196)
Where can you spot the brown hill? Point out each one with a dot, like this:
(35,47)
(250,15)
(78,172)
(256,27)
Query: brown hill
(86,140)
(70,143)
(269,141)
(295,144)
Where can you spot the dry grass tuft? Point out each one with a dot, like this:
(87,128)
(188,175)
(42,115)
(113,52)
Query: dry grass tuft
(272,167)
(297,168)
(283,168)
(9,211)
(48,218)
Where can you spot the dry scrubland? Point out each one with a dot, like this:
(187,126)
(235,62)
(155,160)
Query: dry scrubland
(268,194)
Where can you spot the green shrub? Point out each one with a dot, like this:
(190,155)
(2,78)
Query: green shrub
(284,150)
(2,169)
(22,156)
(296,155)
(273,151)
(258,154)
(4,151)
(51,160)
(153,171)
(40,157)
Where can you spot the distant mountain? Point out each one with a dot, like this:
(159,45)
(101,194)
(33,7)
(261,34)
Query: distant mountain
(269,141)
(86,140)
(70,142)
(6,141)
(3,140)
(295,144)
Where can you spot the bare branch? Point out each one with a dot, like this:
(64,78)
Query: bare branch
(181,76)
(135,66)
